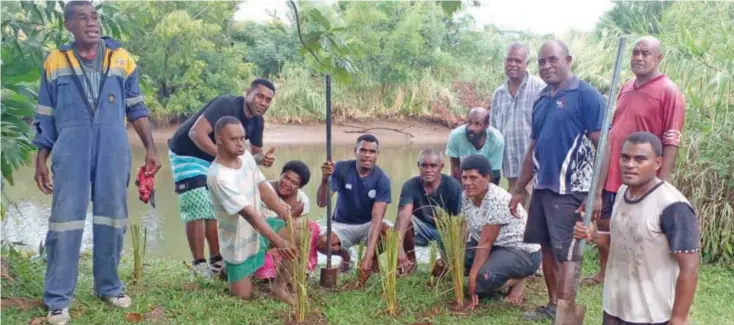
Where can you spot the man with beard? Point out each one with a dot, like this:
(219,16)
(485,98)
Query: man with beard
(420,198)
(650,102)
(191,151)
(653,245)
(567,121)
(363,195)
(512,108)
(476,137)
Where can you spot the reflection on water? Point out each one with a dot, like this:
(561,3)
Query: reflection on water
(29,222)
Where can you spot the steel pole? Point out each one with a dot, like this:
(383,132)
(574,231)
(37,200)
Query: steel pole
(328,158)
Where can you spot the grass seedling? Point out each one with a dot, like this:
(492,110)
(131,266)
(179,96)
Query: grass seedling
(453,235)
(389,270)
(298,268)
(140,242)
(432,256)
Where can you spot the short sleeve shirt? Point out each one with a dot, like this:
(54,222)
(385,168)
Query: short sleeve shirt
(512,116)
(459,146)
(645,234)
(657,107)
(300,197)
(494,210)
(357,195)
(564,155)
(232,190)
(182,145)
(447,197)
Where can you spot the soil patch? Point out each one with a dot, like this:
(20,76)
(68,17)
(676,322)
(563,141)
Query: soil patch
(21,303)
(314,318)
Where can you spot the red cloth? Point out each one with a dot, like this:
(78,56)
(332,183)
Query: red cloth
(657,107)
(145,183)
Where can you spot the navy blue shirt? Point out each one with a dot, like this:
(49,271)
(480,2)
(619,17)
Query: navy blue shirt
(564,155)
(356,194)
(226,105)
(447,197)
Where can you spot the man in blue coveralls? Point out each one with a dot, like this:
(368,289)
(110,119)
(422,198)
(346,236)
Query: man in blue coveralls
(88,88)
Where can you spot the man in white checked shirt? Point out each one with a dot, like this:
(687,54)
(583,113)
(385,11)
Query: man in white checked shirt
(511,111)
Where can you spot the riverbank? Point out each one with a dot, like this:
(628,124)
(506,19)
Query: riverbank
(166,295)
(389,132)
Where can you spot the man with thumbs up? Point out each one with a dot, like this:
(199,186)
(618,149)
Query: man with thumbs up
(191,151)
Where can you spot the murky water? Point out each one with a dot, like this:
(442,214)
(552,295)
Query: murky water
(27,221)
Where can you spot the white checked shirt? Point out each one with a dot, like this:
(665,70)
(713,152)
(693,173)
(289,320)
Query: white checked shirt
(512,116)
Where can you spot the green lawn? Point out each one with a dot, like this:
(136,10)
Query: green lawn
(167,296)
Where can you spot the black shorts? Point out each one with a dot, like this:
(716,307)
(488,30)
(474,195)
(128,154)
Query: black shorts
(551,220)
(607,203)
(502,265)
(496,175)
(613,320)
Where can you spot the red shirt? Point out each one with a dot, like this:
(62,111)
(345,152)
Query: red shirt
(657,107)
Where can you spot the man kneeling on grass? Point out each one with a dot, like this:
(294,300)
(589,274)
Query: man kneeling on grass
(364,193)
(235,183)
(420,199)
(496,255)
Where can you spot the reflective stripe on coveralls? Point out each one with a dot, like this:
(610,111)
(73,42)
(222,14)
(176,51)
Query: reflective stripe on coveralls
(90,158)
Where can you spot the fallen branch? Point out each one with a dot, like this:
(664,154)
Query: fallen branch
(365,130)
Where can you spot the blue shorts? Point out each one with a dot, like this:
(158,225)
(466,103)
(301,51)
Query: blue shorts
(424,233)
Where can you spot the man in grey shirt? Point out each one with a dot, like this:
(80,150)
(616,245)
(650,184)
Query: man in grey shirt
(92,72)
(512,107)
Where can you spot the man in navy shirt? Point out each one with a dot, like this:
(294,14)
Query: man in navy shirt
(420,199)
(191,151)
(566,124)
(364,193)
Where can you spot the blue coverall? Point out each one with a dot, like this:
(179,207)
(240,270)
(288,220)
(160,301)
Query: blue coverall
(90,158)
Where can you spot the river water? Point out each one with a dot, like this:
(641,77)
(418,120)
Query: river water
(27,220)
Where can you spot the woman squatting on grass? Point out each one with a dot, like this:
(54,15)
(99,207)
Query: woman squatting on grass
(293,177)
(496,255)
(245,235)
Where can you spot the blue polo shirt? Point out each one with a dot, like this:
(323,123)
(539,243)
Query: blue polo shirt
(356,194)
(564,155)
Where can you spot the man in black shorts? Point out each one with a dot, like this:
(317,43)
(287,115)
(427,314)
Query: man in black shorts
(566,124)
(191,151)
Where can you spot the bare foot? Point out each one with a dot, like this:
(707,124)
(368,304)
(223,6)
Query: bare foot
(516,294)
(592,281)
(280,292)
(407,269)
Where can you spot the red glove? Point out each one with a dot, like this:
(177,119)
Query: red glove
(146,184)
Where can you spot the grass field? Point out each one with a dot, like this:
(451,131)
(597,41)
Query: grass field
(166,295)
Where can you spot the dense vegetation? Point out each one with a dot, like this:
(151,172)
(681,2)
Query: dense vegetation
(390,59)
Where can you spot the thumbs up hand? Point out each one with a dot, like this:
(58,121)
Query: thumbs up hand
(269,157)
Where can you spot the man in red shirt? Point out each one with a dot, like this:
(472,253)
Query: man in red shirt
(650,102)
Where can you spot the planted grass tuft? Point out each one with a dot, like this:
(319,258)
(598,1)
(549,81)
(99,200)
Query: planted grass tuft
(389,270)
(453,236)
(299,268)
(140,243)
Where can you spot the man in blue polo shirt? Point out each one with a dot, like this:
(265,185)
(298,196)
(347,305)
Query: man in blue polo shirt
(364,193)
(566,126)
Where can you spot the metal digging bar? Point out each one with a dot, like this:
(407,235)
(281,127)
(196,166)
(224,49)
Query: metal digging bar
(328,274)
(568,313)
